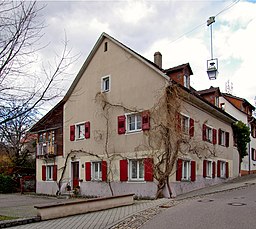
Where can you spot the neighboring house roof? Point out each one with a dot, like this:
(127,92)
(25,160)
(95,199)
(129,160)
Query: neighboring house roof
(238,98)
(210,90)
(41,123)
(179,67)
(28,138)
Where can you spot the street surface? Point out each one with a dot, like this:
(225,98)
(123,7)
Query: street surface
(234,209)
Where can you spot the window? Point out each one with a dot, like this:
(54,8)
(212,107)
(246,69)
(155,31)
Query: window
(136,169)
(185,124)
(208,169)
(186,81)
(223,169)
(105,84)
(253,130)
(80,128)
(49,172)
(222,106)
(186,170)
(96,170)
(105,46)
(253,154)
(209,134)
(217,101)
(134,122)
(222,139)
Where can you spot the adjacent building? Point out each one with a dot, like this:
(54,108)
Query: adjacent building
(242,110)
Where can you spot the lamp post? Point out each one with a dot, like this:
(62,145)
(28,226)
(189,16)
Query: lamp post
(212,64)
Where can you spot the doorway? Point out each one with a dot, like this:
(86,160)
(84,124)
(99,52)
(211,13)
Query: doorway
(75,174)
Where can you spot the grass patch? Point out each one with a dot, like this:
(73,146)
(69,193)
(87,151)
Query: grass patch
(2,217)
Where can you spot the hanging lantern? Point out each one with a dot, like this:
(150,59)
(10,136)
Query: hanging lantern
(212,64)
(212,68)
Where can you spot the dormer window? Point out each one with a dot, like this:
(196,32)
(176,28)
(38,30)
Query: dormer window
(186,81)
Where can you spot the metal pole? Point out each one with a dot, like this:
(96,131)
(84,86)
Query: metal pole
(211,44)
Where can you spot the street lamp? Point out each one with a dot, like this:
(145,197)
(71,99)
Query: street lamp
(212,64)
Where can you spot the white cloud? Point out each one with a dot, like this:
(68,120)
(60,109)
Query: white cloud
(134,11)
(150,26)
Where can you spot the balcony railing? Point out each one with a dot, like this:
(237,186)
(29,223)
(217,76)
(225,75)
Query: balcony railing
(46,148)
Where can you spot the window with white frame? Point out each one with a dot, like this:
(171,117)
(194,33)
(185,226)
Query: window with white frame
(209,168)
(133,122)
(222,169)
(105,84)
(186,168)
(80,128)
(222,136)
(136,169)
(186,81)
(49,172)
(209,135)
(184,124)
(96,170)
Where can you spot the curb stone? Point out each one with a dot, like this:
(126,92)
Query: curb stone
(16,222)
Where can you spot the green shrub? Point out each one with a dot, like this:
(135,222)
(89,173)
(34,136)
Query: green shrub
(7,184)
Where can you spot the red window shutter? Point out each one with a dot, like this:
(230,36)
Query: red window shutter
(87,130)
(227,139)
(145,120)
(204,132)
(148,169)
(218,168)
(121,124)
(213,169)
(219,133)
(227,170)
(87,171)
(178,122)
(204,168)
(214,141)
(43,172)
(104,169)
(191,127)
(55,172)
(179,170)
(72,133)
(123,170)
(193,170)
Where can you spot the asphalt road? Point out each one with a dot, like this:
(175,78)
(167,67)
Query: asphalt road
(234,209)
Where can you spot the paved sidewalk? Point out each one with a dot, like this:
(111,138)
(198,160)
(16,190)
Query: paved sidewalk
(101,219)
(141,211)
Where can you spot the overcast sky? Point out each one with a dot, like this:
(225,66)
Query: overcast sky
(175,28)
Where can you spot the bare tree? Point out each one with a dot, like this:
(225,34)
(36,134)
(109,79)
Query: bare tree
(13,136)
(21,29)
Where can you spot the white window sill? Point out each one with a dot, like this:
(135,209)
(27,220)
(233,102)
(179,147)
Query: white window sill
(133,132)
(136,181)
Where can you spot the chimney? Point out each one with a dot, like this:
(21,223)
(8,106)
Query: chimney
(158,59)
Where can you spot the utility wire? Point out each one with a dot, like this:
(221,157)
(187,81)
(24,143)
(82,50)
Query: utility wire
(222,11)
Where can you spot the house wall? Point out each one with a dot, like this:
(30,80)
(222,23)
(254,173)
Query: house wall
(134,88)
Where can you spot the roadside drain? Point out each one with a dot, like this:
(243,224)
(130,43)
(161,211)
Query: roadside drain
(205,201)
(236,204)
